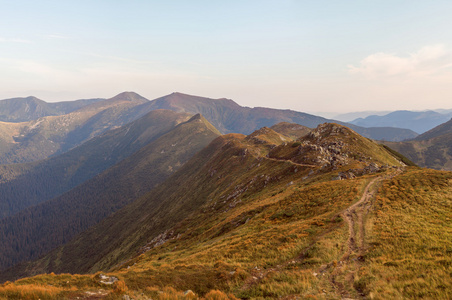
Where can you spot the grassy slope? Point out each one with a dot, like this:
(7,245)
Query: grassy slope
(29,184)
(244,224)
(435,152)
(291,243)
(35,231)
(410,254)
(291,130)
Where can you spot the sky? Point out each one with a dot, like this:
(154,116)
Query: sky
(314,56)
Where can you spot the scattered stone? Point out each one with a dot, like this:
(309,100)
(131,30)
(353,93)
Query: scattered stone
(189,293)
(107,279)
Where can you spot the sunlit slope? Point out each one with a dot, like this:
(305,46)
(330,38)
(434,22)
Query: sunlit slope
(291,130)
(221,190)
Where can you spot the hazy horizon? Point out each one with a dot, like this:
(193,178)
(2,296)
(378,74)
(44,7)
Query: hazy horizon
(323,56)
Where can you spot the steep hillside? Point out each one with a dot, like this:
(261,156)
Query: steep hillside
(380,236)
(228,116)
(32,108)
(25,185)
(438,131)
(46,136)
(35,231)
(418,121)
(432,149)
(235,183)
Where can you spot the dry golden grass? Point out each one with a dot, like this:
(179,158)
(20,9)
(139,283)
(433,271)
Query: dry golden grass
(411,253)
(271,232)
(30,291)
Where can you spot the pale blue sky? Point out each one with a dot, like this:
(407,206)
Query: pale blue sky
(334,56)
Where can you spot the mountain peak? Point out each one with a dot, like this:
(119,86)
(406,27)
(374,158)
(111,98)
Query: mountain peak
(326,130)
(291,130)
(196,117)
(200,118)
(33,98)
(129,96)
(336,147)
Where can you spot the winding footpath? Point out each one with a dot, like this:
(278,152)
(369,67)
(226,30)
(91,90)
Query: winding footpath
(343,276)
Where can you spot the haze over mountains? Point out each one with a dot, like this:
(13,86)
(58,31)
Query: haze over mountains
(32,108)
(419,122)
(50,135)
(283,204)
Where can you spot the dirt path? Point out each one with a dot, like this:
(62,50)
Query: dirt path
(353,215)
(343,276)
(288,160)
(342,273)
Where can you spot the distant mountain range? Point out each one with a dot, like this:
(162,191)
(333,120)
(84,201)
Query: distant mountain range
(61,126)
(32,108)
(419,122)
(50,135)
(228,116)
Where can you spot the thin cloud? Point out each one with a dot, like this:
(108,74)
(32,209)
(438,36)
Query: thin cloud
(428,61)
(121,59)
(57,37)
(14,40)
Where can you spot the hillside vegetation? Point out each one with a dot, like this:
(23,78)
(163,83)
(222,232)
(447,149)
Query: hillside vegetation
(263,216)
(432,149)
(36,230)
(24,185)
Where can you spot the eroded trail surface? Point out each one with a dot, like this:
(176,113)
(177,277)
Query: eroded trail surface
(339,274)
(343,276)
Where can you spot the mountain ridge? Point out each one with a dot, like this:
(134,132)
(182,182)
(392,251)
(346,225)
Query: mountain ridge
(229,117)
(419,122)
(229,168)
(90,202)
(39,181)
(31,108)
(52,135)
